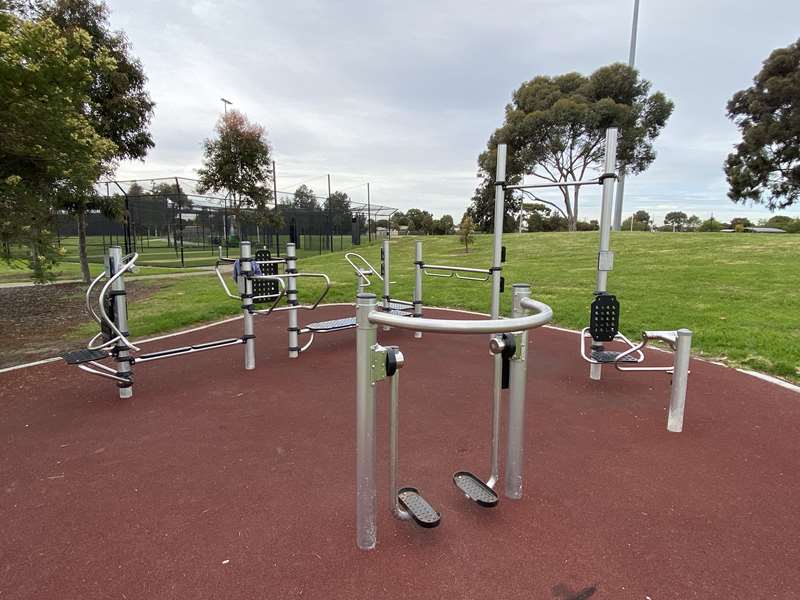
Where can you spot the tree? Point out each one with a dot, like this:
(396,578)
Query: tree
(555,129)
(765,167)
(49,150)
(710,225)
(444,226)
(304,198)
(693,223)
(337,207)
(466,231)
(237,161)
(640,221)
(119,106)
(676,220)
(419,221)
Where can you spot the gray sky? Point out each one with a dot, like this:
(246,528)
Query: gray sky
(405,94)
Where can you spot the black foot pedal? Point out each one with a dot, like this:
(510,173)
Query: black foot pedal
(475,489)
(608,356)
(78,357)
(419,509)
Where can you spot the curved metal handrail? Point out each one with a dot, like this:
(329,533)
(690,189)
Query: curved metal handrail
(124,267)
(544,314)
(222,279)
(282,276)
(94,282)
(632,348)
(359,271)
(668,337)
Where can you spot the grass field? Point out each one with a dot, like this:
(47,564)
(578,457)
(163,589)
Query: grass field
(17,271)
(739,293)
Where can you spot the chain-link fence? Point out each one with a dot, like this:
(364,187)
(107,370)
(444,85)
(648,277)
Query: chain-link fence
(171,222)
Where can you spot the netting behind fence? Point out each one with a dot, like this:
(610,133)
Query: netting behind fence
(174,223)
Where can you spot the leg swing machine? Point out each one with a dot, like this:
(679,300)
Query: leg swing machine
(508,344)
(364,270)
(605,311)
(112,315)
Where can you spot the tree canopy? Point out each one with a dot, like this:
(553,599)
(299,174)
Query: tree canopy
(49,149)
(237,161)
(555,129)
(765,167)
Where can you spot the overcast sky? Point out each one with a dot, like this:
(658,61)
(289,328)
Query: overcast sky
(405,94)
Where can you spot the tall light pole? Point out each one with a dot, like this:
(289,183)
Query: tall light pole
(225,104)
(617,222)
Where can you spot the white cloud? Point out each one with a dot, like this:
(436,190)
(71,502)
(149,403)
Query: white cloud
(404,95)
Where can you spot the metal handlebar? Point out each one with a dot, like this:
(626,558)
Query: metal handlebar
(126,266)
(669,337)
(298,306)
(454,271)
(361,272)
(222,279)
(95,316)
(544,314)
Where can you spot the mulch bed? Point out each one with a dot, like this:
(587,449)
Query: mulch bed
(40,321)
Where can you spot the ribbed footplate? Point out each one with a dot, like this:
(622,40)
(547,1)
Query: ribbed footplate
(399,307)
(609,356)
(419,509)
(334,325)
(77,357)
(475,489)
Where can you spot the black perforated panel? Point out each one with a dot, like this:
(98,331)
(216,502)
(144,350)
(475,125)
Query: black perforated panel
(263,287)
(604,318)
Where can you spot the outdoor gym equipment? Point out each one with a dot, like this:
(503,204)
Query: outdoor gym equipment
(509,343)
(112,315)
(605,310)
(364,270)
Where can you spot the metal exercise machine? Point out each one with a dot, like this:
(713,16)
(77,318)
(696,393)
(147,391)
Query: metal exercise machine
(509,343)
(364,270)
(605,310)
(112,315)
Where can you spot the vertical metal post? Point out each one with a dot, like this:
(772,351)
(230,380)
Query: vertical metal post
(180,216)
(385,274)
(394,450)
(680,379)
(516,401)
(291,298)
(605,258)
(621,183)
(366,492)
(275,194)
(497,249)
(121,352)
(246,292)
(417,299)
(369,217)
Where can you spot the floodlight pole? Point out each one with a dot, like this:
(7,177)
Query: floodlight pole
(617,224)
(275,198)
(369,229)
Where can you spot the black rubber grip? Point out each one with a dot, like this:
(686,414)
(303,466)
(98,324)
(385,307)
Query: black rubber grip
(605,176)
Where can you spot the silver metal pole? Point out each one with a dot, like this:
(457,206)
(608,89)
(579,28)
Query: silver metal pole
(418,284)
(386,285)
(516,402)
(631,62)
(605,258)
(246,292)
(366,493)
(680,379)
(291,298)
(394,451)
(497,249)
(114,260)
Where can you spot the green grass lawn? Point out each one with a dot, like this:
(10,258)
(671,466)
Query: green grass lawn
(17,271)
(739,293)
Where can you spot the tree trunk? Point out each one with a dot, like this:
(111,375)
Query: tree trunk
(84,258)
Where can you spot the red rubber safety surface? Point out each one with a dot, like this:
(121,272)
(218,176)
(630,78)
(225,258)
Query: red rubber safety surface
(215,482)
